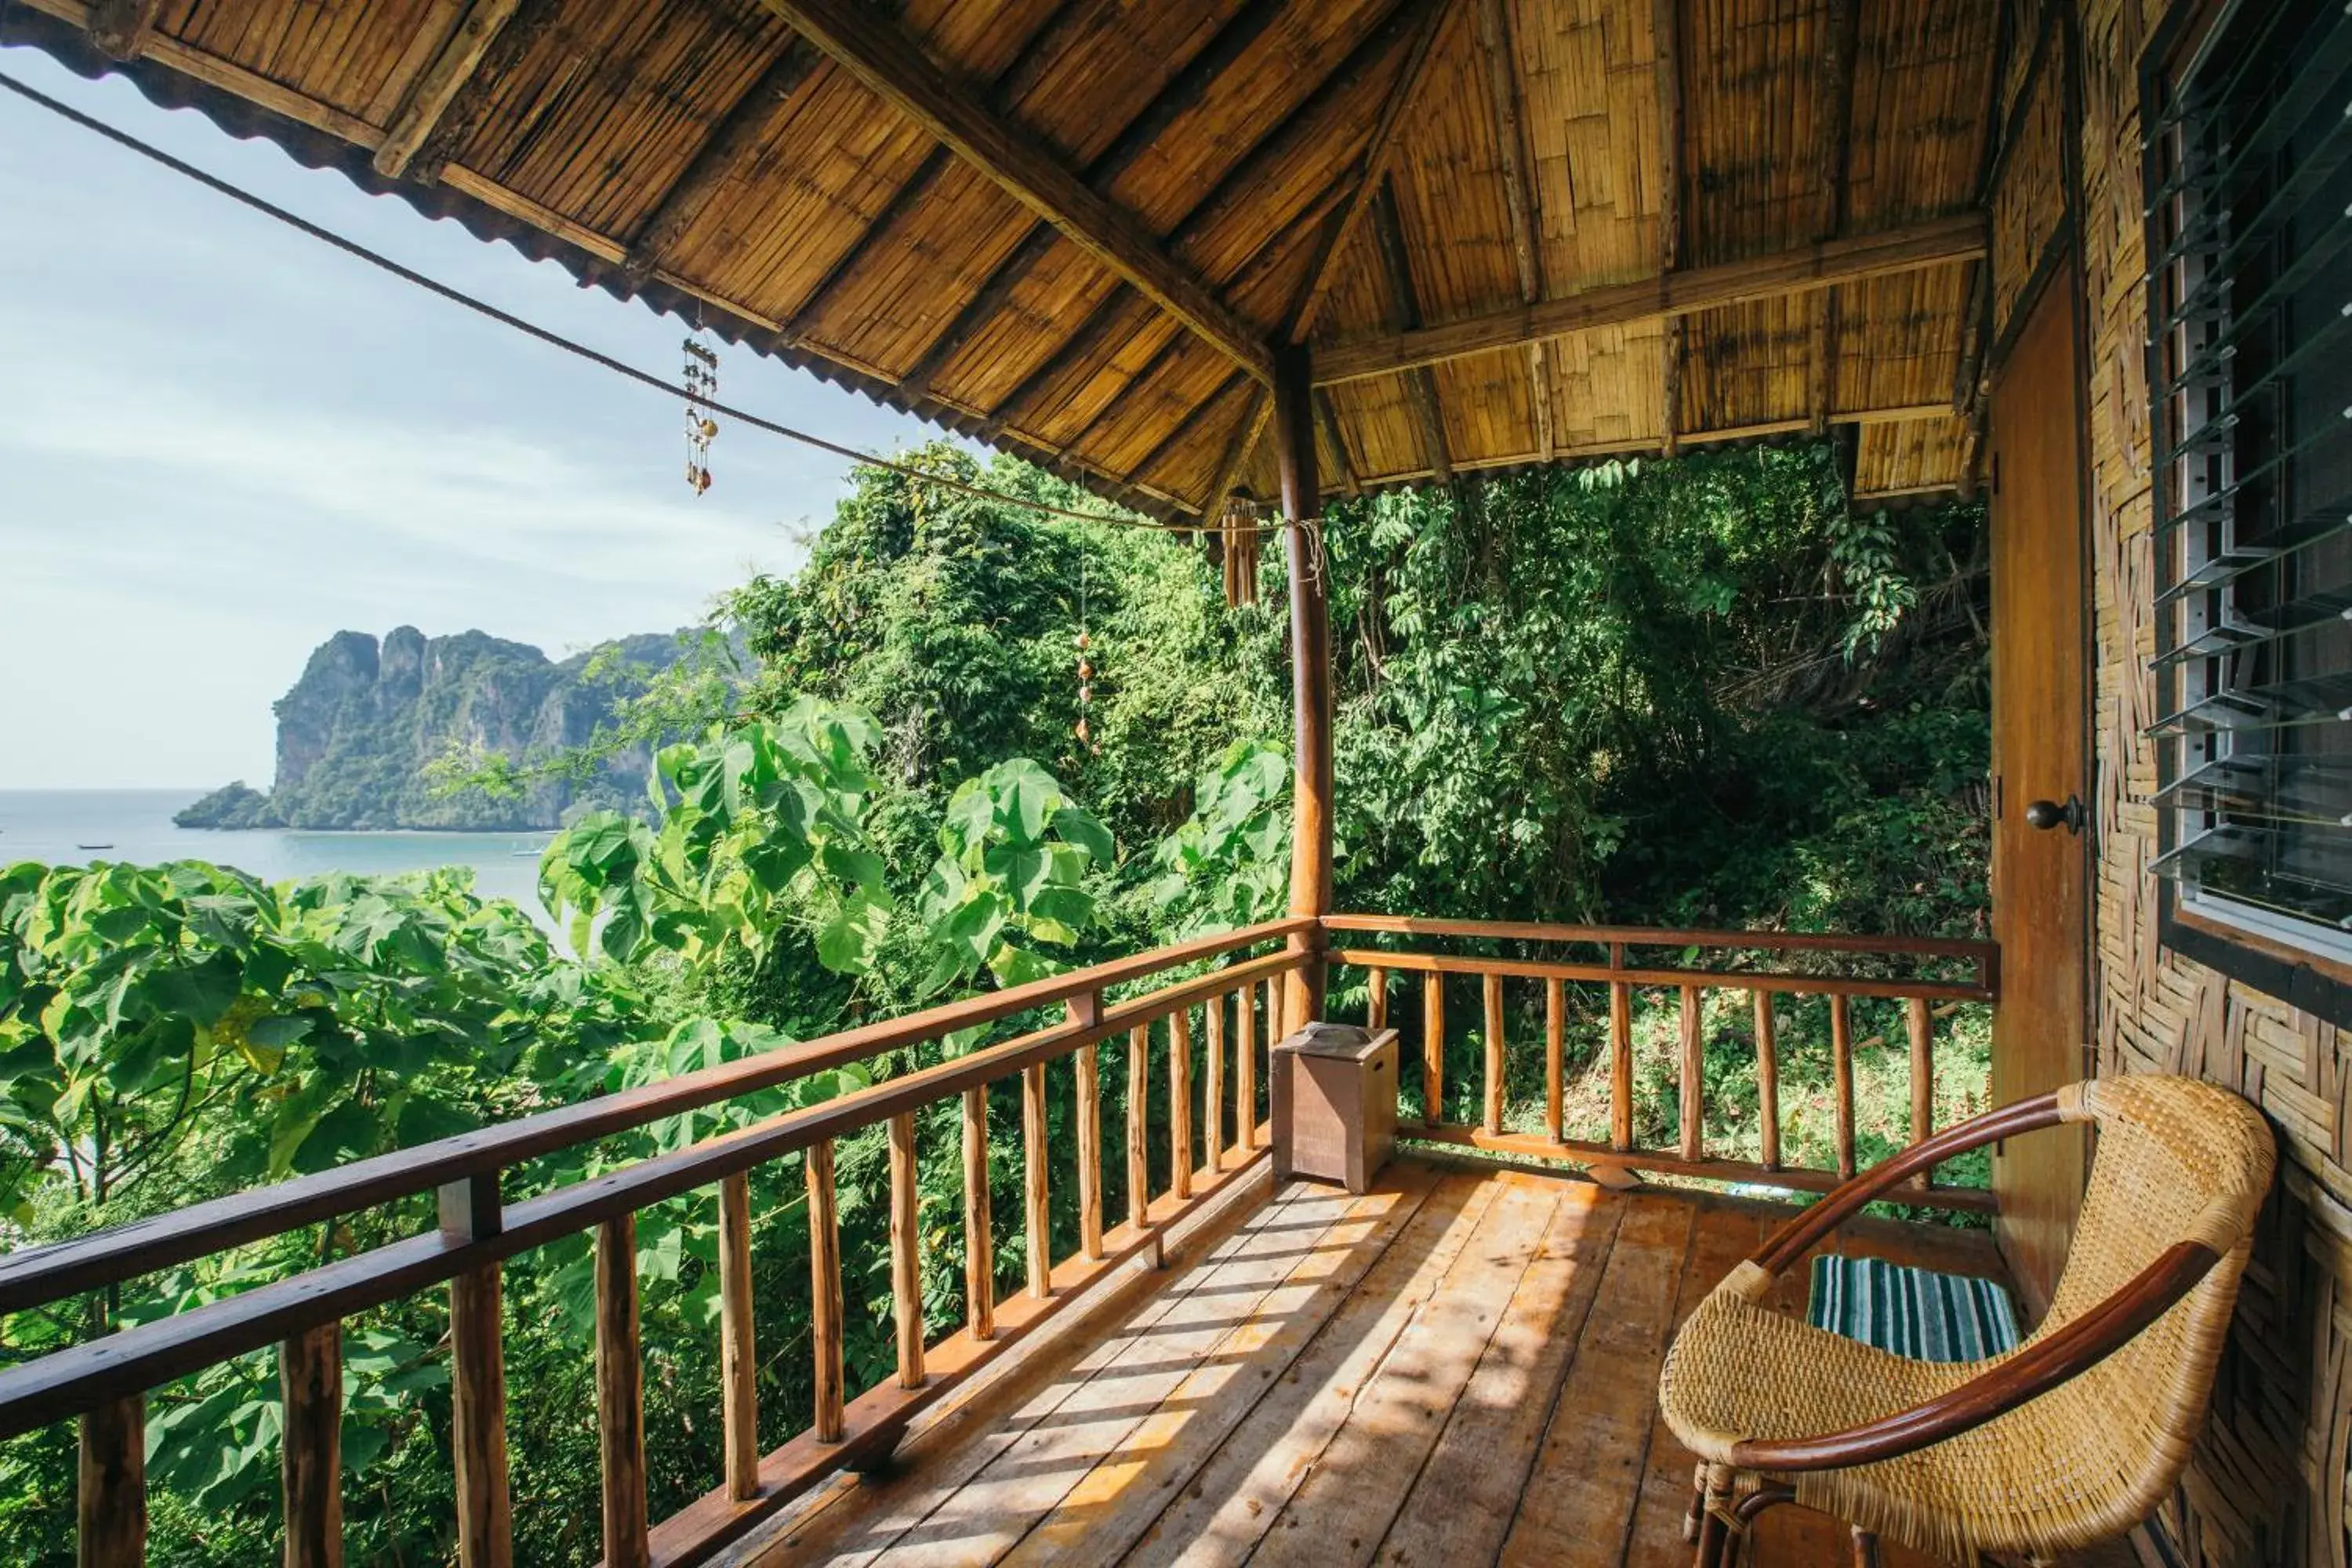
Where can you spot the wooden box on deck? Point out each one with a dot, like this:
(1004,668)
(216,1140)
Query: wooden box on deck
(1334,1091)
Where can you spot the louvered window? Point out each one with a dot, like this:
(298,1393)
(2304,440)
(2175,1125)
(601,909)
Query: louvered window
(2251,301)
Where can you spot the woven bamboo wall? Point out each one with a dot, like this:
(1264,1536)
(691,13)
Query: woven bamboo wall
(2267,1484)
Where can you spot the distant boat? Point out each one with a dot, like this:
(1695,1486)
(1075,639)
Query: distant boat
(94,845)
(524,854)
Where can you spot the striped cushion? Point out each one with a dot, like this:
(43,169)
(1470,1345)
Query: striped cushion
(1911,1311)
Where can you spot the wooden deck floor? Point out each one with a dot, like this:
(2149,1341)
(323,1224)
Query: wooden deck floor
(1459,1368)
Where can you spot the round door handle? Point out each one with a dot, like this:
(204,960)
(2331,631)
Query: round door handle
(2048,814)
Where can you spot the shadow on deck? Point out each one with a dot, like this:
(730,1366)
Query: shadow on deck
(1460,1367)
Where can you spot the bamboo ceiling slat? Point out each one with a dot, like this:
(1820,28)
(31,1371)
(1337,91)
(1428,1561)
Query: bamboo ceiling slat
(1906,457)
(834,230)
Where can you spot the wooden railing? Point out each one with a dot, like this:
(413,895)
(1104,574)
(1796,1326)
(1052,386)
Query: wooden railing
(105,1381)
(1621,969)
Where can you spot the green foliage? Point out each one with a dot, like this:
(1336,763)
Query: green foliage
(1228,865)
(1014,857)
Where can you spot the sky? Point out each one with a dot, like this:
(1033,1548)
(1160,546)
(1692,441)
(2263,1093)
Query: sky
(222,441)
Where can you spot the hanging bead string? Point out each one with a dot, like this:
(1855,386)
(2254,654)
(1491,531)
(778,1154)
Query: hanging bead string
(1086,668)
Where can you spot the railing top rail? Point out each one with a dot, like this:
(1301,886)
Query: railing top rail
(37,1275)
(84,1376)
(1704,979)
(1648,936)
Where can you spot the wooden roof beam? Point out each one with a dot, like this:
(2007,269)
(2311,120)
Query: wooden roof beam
(502,50)
(120,28)
(887,62)
(733,141)
(431,94)
(1935,243)
(1666,70)
(1404,314)
(1832,134)
(1520,196)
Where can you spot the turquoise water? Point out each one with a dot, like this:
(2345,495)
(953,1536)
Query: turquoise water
(55,826)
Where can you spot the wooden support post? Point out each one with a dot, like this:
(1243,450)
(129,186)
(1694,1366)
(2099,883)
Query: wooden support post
(1245,1067)
(477,1382)
(1620,1055)
(113,1485)
(1213,1099)
(1138,1151)
(1494,1031)
(906,1252)
(620,1395)
(1432,1047)
(739,1366)
(1180,1102)
(1694,1075)
(1842,1070)
(1036,1220)
(1767,1084)
(1310,674)
(824,1292)
(1555,1055)
(1090,1203)
(1376,1000)
(979,1239)
(310,1452)
(1923,1077)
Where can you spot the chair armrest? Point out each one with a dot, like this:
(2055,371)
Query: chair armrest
(1799,1236)
(2040,1367)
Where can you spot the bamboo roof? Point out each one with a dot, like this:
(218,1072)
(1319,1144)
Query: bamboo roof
(1513,231)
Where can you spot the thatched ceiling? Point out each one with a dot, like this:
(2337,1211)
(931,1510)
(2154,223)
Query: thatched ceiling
(1522,230)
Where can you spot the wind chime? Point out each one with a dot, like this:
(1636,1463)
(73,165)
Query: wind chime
(1238,529)
(1086,669)
(701,379)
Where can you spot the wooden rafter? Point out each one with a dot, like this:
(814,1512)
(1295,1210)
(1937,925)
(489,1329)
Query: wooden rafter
(904,200)
(469,99)
(1019,406)
(1184,429)
(1405,314)
(1378,151)
(120,28)
(1666,47)
(1328,417)
(889,65)
(1936,242)
(1184,91)
(733,141)
(431,94)
(1835,115)
(1238,452)
(1160,361)
(1518,193)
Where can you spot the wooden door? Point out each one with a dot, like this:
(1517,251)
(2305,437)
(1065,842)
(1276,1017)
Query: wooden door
(2040,673)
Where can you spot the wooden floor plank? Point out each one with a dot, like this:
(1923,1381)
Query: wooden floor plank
(988,1514)
(1459,1508)
(1107,1512)
(1344,1507)
(864,1518)
(1219,1517)
(1579,1491)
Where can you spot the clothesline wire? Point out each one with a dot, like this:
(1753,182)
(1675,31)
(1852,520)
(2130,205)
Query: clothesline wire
(546,335)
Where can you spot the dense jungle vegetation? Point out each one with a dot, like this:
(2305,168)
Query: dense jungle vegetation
(1704,692)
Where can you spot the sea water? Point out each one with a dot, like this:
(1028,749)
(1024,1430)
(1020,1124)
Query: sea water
(62,828)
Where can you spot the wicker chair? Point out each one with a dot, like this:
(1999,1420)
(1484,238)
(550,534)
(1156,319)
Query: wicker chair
(2069,1440)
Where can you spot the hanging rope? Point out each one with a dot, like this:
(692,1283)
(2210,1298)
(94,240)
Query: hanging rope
(552,339)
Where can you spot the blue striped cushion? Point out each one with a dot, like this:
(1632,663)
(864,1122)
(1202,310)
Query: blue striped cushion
(1911,1311)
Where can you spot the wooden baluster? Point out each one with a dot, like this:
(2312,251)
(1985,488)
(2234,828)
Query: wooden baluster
(1493,1117)
(1213,1099)
(310,1451)
(824,1291)
(1841,1070)
(1090,1204)
(739,1366)
(113,1485)
(620,1395)
(1275,1032)
(1555,1055)
(1767,1084)
(1923,1078)
(906,1252)
(1180,1102)
(1036,1223)
(1432,1047)
(1621,1054)
(1694,1085)
(979,1239)
(1376,1000)
(1245,1067)
(477,1382)
(1139,1153)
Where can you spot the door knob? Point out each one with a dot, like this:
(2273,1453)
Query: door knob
(2048,814)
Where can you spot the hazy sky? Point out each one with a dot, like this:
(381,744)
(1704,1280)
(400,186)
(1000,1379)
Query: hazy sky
(221,441)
